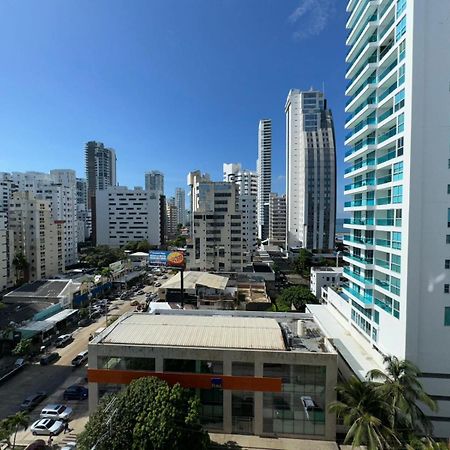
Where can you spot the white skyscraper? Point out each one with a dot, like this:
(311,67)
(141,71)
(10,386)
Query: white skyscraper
(180,203)
(264,171)
(398,291)
(247,182)
(310,171)
(154,181)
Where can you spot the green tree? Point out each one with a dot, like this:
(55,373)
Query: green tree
(364,410)
(148,414)
(10,426)
(298,296)
(23,348)
(424,443)
(21,266)
(83,313)
(102,256)
(401,385)
(303,262)
(143,246)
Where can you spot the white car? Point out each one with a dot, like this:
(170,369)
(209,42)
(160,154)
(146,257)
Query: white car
(47,427)
(56,411)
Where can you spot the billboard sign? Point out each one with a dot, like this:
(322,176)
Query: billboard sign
(163,258)
(116,267)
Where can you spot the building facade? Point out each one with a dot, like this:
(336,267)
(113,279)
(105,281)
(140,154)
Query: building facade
(4,252)
(84,220)
(154,181)
(126,215)
(216,229)
(172,218)
(247,182)
(310,171)
(264,171)
(277,219)
(398,291)
(36,235)
(322,277)
(250,377)
(180,202)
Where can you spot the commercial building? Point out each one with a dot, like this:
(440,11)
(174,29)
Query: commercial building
(310,171)
(216,242)
(254,372)
(180,203)
(36,235)
(154,181)
(398,291)
(247,181)
(125,215)
(322,277)
(277,219)
(264,171)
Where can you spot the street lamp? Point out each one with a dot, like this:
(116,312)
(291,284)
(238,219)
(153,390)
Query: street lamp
(337,257)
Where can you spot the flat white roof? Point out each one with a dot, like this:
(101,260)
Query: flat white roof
(60,316)
(192,279)
(357,357)
(196,331)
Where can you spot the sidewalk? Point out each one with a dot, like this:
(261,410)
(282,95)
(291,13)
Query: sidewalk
(249,442)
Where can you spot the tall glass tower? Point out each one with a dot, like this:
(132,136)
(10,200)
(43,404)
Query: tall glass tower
(398,185)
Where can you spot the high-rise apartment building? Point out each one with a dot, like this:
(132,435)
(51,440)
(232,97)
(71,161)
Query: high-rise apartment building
(100,163)
(154,181)
(264,171)
(247,182)
(59,188)
(180,203)
(310,171)
(398,290)
(4,252)
(125,215)
(216,235)
(84,220)
(36,235)
(277,219)
(172,218)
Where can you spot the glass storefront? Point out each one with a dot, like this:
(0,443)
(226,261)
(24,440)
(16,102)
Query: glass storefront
(300,407)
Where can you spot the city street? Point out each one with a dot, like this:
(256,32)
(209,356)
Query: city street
(55,378)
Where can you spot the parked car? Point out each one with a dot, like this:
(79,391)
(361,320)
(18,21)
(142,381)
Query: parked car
(158,284)
(33,400)
(84,322)
(63,340)
(80,359)
(56,411)
(95,314)
(49,359)
(69,446)
(164,277)
(47,427)
(312,409)
(134,303)
(140,292)
(76,392)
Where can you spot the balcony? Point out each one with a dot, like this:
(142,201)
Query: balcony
(358,240)
(385,136)
(385,115)
(359,184)
(360,221)
(360,165)
(367,299)
(360,145)
(383,284)
(372,59)
(384,180)
(389,222)
(356,276)
(382,263)
(387,71)
(391,154)
(359,203)
(360,126)
(358,259)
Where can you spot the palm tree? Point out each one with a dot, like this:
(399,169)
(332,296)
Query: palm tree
(19,420)
(400,384)
(425,443)
(364,411)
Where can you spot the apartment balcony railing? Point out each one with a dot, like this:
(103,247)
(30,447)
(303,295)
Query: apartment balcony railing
(359,258)
(359,221)
(386,28)
(384,180)
(358,184)
(358,240)
(360,165)
(358,203)
(364,298)
(356,276)
(391,154)
(387,135)
(387,91)
(361,144)
(371,59)
(382,263)
(385,115)
(386,71)
(389,222)
(389,244)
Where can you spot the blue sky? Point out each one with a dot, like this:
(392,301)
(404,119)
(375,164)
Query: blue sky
(173,85)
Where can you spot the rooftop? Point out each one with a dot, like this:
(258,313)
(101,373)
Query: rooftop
(192,279)
(327,269)
(43,288)
(243,330)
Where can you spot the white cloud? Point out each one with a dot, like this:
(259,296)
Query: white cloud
(311,17)
(281,177)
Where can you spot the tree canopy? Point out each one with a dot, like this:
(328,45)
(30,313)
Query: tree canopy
(147,415)
(102,256)
(298,296)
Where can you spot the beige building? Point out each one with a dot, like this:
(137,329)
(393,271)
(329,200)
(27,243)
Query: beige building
(267,374)
(3,252)
(216,242)
(36,235)
(277,219)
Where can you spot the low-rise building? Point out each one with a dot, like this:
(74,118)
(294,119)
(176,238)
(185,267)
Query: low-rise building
(322,277)
(267,374)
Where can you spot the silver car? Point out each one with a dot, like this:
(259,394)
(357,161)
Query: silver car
(47,427)
(56,411)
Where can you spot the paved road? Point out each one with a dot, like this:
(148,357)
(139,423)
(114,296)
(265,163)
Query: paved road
(55,378)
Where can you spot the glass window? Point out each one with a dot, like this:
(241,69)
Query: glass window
(446,288)
(395,263)
(395,286)
(448,188)
(400,123)
(447,316)
(402,51)
(400,29)
(126,363)
(399,100)
(243,369)
(211,409)
(447,239)
(447,263)
(397,172)
(397,194)
(401,6)
(179,365)
(243,412)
